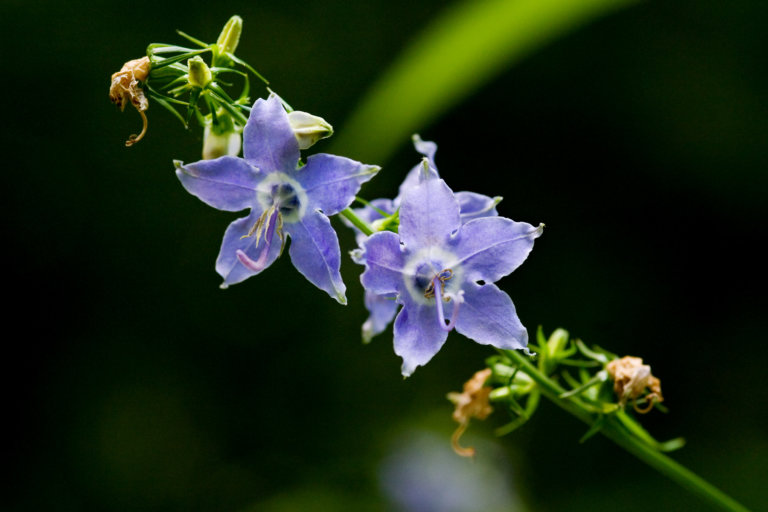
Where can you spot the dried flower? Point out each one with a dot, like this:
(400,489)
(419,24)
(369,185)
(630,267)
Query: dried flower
(630,379)
(470,403)
(125,87)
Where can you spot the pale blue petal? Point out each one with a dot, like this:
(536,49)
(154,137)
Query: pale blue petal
(227,183)
(490,248)
(420,173)
(418,336)
(488,316)
(382,309)
(227,264)
(475,206)
(429,214)
(426,148)
(268,139)
(384,261)
(331,182)
(315,253)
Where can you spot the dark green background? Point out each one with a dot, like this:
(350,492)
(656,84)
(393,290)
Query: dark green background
(132,382)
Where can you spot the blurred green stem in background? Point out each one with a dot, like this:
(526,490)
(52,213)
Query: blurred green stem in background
(614,431)
(468,44)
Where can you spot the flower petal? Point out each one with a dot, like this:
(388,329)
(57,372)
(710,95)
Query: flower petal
(382,310)
(228,265)
(489,248)
(268,139)
(418,336)
(428,215)
(227,183)
(384,261)
(331,182)
(488,316)
(475,206)
(315,253)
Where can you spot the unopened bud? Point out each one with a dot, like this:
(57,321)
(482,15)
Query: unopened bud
(308,129)
(557,341)
(230,35)
(220,144)
(199,72)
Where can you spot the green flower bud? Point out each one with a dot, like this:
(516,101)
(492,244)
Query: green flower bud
(230,35)
(223,144)
(557,342)
(308,129)
(199,72)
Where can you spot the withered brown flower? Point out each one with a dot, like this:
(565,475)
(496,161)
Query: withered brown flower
(471,403)
(125,87)
(630,379)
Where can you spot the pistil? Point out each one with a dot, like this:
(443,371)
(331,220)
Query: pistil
(437,285)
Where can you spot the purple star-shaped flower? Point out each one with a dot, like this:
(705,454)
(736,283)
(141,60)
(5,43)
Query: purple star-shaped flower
(435,260)
(284,197)
(382,309)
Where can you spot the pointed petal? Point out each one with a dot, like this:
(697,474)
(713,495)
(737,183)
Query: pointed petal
(428,215)
(382,310)
(228,265)
(315,253)
(488,316)
(492,247)
(426,148)
(268,139)
(227,183)
(384,260)
(475,206)
(418,336)
(331,182)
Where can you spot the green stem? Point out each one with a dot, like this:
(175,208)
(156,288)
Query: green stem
(357,221)
(613,431)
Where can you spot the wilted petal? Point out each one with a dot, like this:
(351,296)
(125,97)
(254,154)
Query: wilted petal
(383,258)
(331,182)
(228,265)
(428,215)
(418,336)
(315,253)
(490,248)
(226,183)
(475,206)
(268,139)
(382,310)
(488,316)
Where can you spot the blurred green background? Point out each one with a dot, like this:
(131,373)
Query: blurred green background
(133,383)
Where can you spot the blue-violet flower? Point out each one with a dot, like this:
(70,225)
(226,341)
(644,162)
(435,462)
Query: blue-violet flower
(284,197)
(435,260)
(382,308)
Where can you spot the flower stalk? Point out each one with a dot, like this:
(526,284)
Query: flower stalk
(612,428)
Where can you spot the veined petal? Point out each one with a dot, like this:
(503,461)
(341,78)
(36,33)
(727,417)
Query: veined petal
(382,310)
(331,182)
(268,139)
(429,214)
(315,253)
(418,336)
(488,316)
(228,265)
(490,248)
(227,183)
(384,261)
(475,206)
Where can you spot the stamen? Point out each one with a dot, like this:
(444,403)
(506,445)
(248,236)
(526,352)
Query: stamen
(439,302)
(444,275)
(271,225)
